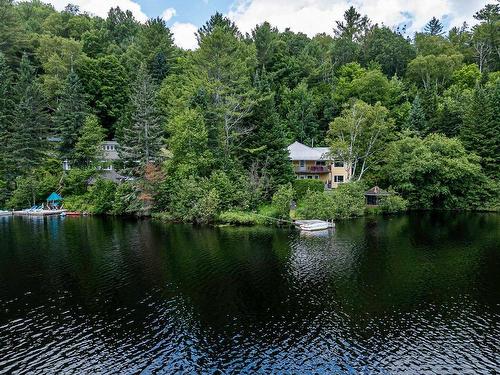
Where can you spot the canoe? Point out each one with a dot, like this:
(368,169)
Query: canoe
(315,226)
(72,214)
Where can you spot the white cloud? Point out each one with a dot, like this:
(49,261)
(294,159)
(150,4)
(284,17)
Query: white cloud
(318,16)
(101,7)
(184,35)
(168,14)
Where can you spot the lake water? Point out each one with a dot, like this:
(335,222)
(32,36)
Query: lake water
(409,294)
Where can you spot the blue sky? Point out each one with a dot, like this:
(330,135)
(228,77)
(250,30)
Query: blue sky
(195,11)
(184,17)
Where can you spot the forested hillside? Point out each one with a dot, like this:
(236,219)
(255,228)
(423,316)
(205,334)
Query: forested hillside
(203,132)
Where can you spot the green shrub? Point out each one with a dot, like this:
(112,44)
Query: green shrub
(393,204)
(281,201)
(301,187)
(75,181)
(344,202)
(239,218)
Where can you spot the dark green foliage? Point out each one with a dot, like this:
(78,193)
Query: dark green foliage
(434,27)
(342,203)
(107,85)
(481,130)
(435,172)
(7,105)
(281,201)
(70,115)
(36,185)
(302,187)
(141,137)
(389,49)
(417,121)
(28,142)
(392,204)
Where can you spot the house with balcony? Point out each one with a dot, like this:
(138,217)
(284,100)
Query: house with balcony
(315,163)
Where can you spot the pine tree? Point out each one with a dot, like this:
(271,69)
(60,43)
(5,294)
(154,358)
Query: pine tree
(416,119)
(88,149)
(481,128)
(141,137)
(266,147)
(29,139)
(70,114)
(6,125)
(434,27)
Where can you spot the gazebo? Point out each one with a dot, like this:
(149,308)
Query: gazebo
(54,200)
(374,194)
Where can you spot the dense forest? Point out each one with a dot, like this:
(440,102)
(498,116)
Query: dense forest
(203,133)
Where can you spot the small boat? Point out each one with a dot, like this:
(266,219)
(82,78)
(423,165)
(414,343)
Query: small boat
(5,213)
(71,213)
(312,227)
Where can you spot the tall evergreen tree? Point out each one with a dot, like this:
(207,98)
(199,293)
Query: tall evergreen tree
(141,139)
(29,140)
(88,149)
(434,27)
(481,128)
(70,114)
(6,126)
(416,119)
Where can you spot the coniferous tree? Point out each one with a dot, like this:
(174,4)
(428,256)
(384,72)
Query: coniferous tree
(481,128)
(29,140)
(6,126)
(70,114)
(141,138)
(88,149)
(416,118)
(434,27)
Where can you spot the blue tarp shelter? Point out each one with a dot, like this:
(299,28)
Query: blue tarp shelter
(54,200)
(54,197)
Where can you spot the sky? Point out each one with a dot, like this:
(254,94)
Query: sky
(184,17)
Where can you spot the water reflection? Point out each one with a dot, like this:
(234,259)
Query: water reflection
(415,293)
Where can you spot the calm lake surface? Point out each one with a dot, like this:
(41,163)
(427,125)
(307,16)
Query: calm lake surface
(409,294)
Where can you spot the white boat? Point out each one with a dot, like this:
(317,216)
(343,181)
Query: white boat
(5,213)
(315,226)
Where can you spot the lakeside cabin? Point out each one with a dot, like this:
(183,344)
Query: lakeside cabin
(374,195)
(315,163)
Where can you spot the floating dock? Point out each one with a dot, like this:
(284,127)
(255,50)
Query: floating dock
(39,213)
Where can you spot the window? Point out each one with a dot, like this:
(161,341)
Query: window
(309,177)
(338,164)
(338,179)
(302,177)
(320,162)
(316,177)
(302,163)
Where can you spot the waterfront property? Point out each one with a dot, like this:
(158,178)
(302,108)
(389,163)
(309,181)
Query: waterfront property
(108,170)
(315,163)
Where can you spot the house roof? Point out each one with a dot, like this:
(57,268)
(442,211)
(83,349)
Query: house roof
(111,175)
(376,191)
(299,151)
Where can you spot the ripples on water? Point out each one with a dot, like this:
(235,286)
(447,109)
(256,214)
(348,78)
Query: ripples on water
(410,294)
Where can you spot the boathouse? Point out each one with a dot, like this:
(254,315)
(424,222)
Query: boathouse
(374,195)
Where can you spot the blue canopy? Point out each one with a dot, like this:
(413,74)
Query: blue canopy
(54,197)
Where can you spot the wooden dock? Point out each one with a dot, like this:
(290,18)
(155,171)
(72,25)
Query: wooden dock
(39,213)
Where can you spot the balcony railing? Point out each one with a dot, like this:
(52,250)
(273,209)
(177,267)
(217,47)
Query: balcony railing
(313,169)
